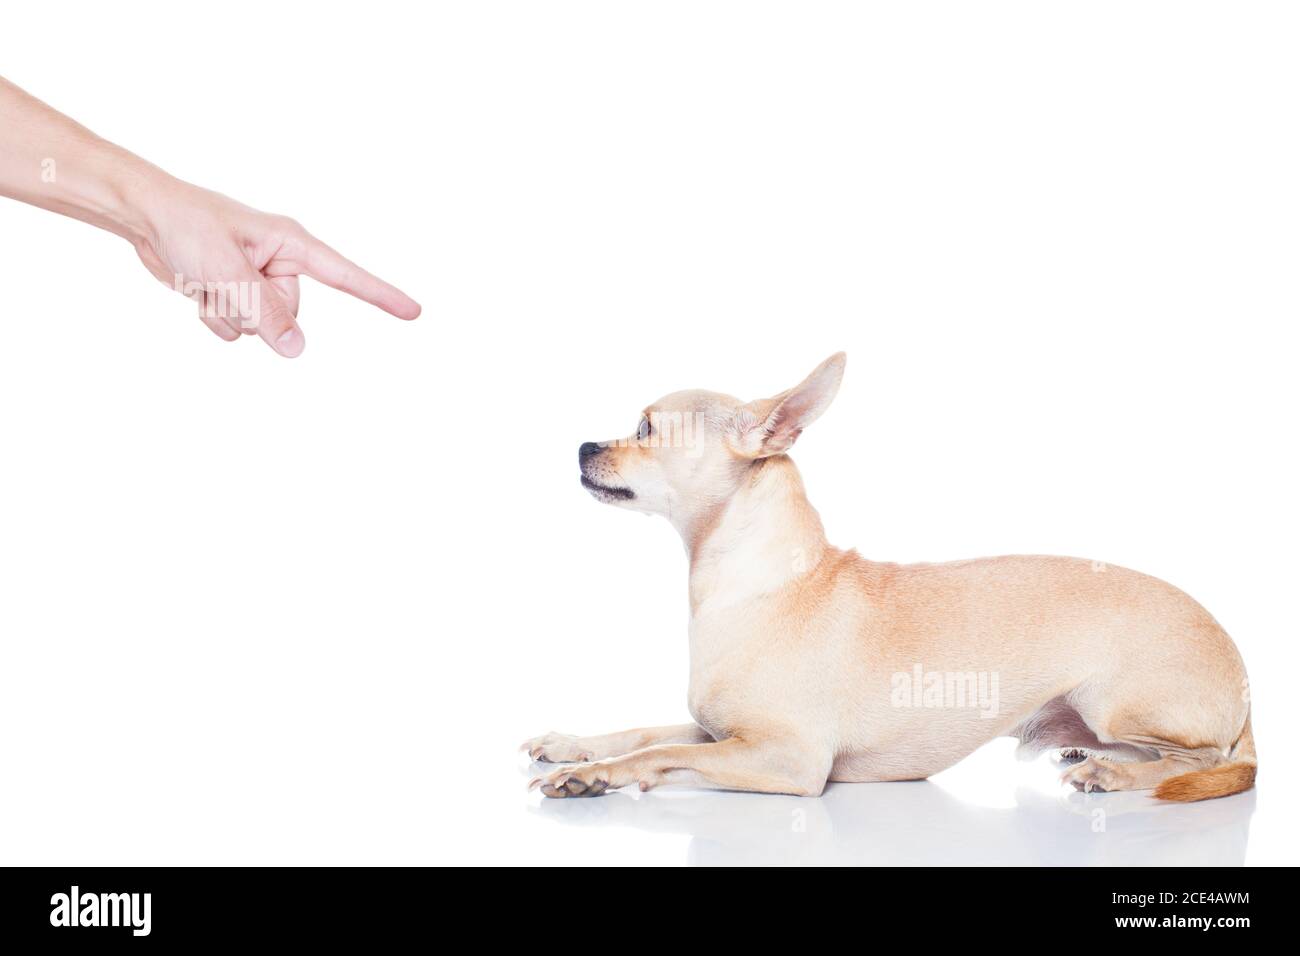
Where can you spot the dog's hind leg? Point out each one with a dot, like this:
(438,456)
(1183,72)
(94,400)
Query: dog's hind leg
(1181,773)
(1072,755)
(1098,773)
(1057,726)
(566,748)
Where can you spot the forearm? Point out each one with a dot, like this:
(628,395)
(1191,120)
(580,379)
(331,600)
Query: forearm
(48,160)
(197,241)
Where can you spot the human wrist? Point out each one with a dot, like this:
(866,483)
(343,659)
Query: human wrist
(127,194)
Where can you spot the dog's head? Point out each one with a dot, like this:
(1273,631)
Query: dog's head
(692,450)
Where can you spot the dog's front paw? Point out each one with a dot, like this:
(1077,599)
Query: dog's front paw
(582,780)
(557,748)
(1094,774)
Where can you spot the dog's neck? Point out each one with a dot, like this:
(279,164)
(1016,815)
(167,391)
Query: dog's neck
(759,540)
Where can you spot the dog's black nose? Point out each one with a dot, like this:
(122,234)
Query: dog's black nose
(586,450)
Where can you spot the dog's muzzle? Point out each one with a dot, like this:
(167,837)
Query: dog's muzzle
(594,477)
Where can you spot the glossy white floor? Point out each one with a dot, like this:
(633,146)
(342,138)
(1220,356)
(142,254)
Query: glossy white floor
(988,810)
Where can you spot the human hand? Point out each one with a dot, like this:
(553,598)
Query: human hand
(242,265)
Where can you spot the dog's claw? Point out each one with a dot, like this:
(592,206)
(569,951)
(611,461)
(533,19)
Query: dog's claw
(1096,776)
(557,749)
(587,780)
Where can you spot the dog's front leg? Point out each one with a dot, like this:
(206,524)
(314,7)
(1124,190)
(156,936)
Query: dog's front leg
(566,748)
(764,765)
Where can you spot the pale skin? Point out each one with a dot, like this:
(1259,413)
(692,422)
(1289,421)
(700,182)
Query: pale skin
(241,265)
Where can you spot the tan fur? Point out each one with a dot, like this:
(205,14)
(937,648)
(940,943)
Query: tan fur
(1220,781)
(798,649)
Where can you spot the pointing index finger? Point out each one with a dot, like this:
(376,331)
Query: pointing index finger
(325,265)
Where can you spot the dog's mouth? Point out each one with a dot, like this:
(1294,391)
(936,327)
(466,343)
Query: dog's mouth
(606,493)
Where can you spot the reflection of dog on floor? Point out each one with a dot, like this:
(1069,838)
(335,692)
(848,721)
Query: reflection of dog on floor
(923,824)
(803,656)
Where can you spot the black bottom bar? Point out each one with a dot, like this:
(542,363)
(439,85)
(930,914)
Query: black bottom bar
(199,905)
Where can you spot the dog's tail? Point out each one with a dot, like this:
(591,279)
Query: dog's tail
(1221,781)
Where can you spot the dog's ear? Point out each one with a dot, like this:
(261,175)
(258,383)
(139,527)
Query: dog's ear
(770,426)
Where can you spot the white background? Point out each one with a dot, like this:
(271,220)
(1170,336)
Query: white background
(262,611)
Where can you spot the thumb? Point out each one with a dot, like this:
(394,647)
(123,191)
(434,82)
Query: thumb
(274,319)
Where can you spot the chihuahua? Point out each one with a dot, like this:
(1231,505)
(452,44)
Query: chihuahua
(810,664)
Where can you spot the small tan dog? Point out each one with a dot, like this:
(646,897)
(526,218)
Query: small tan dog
(811,664)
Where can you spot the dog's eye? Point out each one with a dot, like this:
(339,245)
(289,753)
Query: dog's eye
(643,430)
